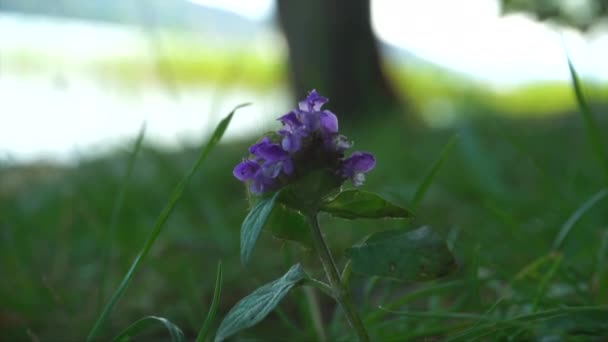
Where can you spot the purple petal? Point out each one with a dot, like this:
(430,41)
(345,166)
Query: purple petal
(245,170)
(329,122)
(272,169)
(255,147)
(291,142)
(290,121)
(362,161)
(358,162)
(261,183)
(271,152)
(310,120)
(313,102)
(288,166)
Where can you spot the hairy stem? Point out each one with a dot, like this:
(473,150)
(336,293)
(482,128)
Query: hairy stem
(340,292)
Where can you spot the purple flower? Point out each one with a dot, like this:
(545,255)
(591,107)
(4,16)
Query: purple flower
(356,166)
(308,139)
(313,102)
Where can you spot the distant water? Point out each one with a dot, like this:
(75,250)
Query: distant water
(59,112)
(59,120)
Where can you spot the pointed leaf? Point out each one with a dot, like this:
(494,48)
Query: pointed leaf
(255,307)
(593,129)
(202,334)
(288,224)
(415,255)
(147,323)
(352,204)
(253,224)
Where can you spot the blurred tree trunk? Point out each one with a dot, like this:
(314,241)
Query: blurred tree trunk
(332,49)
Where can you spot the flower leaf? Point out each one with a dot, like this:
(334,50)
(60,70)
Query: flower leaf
(352,204)
(415,255)
(253,224)
(288,224)
(256,306)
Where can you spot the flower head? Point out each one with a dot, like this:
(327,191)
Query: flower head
(308,139)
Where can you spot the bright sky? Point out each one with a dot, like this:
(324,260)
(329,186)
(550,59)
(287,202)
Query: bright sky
(472,37)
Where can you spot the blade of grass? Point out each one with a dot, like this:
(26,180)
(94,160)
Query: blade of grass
(428,290)
(428,179)
(602,278)
(146,323)
(202,334)
(116,212)
(544,282)
(573,219)
(160,222)
(593,130)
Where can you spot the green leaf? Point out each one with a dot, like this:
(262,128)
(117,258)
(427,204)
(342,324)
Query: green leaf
(255,307)
(202,334)
(415,255)
(253,224)
(147,323)
(287,224)
(593,129)
(160,223)
(352,204)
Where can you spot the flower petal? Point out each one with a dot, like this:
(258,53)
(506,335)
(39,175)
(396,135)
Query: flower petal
(329,122)
(357,163)
(271,152)
(245,170)
(362,161)
(255,147)
(290,121)
(288,166)
(291,142)
(313,102)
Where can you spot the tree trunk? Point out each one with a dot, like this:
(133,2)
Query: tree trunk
(332,49)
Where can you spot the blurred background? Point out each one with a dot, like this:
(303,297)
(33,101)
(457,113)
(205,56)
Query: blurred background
(79,78)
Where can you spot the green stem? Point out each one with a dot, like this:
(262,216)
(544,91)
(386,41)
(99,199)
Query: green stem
(340,292)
